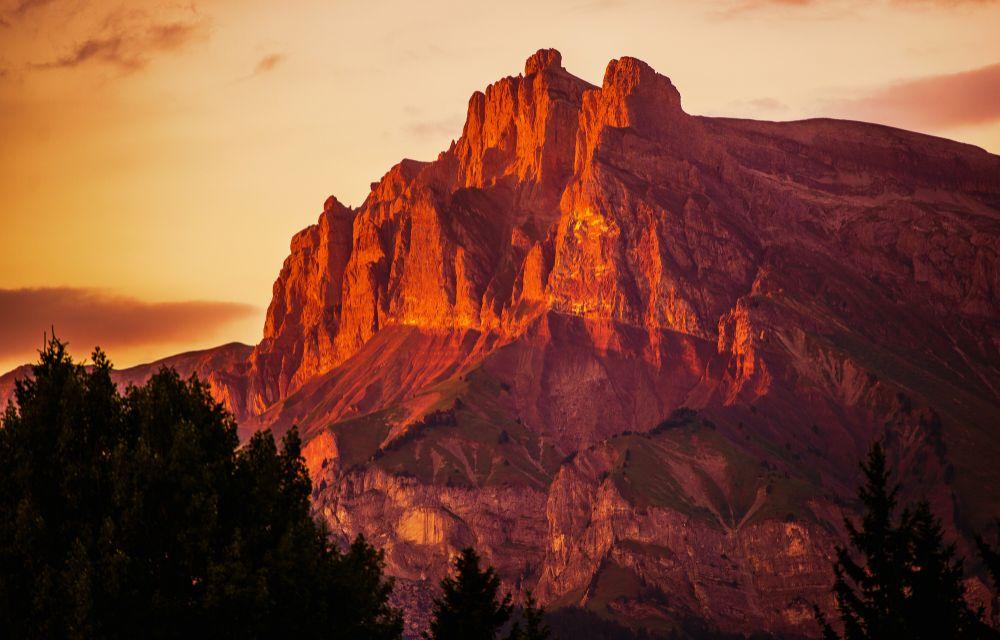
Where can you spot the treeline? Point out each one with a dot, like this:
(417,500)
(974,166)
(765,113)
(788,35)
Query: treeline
(138,514)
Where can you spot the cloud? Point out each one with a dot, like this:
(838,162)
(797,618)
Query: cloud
(451,125)
(734,7)
(805,3)
(268,63)
(786,3)
(767,104)
(930,103)
(129,40)
(731,8)
(763,107)
(802,9)
(597,5)
(90,317)
(24,6)
(944,3)
(758,105)
(17,11)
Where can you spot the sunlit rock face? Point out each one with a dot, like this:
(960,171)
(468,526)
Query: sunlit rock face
(487,349)
(304,316)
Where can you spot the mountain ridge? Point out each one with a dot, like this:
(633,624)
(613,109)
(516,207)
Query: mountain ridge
(487,349)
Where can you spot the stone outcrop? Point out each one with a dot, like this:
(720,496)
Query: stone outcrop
(304,316)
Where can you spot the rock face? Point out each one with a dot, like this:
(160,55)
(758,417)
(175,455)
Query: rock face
(495,347)
(304,316)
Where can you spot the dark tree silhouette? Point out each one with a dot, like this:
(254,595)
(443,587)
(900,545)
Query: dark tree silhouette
(469,607)
(136,515)
(870,593)
(991,561)
(907,582)
(936,605)
(991,558)
(532,624)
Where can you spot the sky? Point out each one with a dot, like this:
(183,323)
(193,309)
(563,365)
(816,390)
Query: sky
(157,156)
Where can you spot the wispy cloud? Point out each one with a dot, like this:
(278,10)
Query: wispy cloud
(763,107)
(597,5)
(800,9)
(805,3)
(451,125)
(89,317)
(24,6)
(770,104)
(786,3)
(130,39)
(944,3)
(930,103)
(730,8)
(268,63)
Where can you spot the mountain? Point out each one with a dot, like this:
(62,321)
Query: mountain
(223,368)
(634,355)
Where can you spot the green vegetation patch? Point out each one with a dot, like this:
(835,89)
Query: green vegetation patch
(467,436)
(676,467)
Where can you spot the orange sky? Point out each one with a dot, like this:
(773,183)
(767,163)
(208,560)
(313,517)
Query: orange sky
(156,157)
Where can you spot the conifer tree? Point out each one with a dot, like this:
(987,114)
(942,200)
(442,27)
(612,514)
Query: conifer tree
(906,581)
(936,606)
(138,515)
(870,593)
(991,559)
(469,607)
(533,619)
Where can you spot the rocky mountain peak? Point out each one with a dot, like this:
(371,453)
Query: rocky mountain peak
(543,60)
(333,205)
(520,133)
(633,95)
(628,76)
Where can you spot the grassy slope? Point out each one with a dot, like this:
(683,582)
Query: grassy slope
(486,446)
(677,467)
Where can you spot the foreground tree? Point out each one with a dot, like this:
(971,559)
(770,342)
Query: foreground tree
(991,558)
(532,624)
(936,605)
(906,581)
(469,607)
(137,515)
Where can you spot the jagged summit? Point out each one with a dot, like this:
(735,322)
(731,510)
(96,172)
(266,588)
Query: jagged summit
(543,60)
(488,348)
(333,204)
